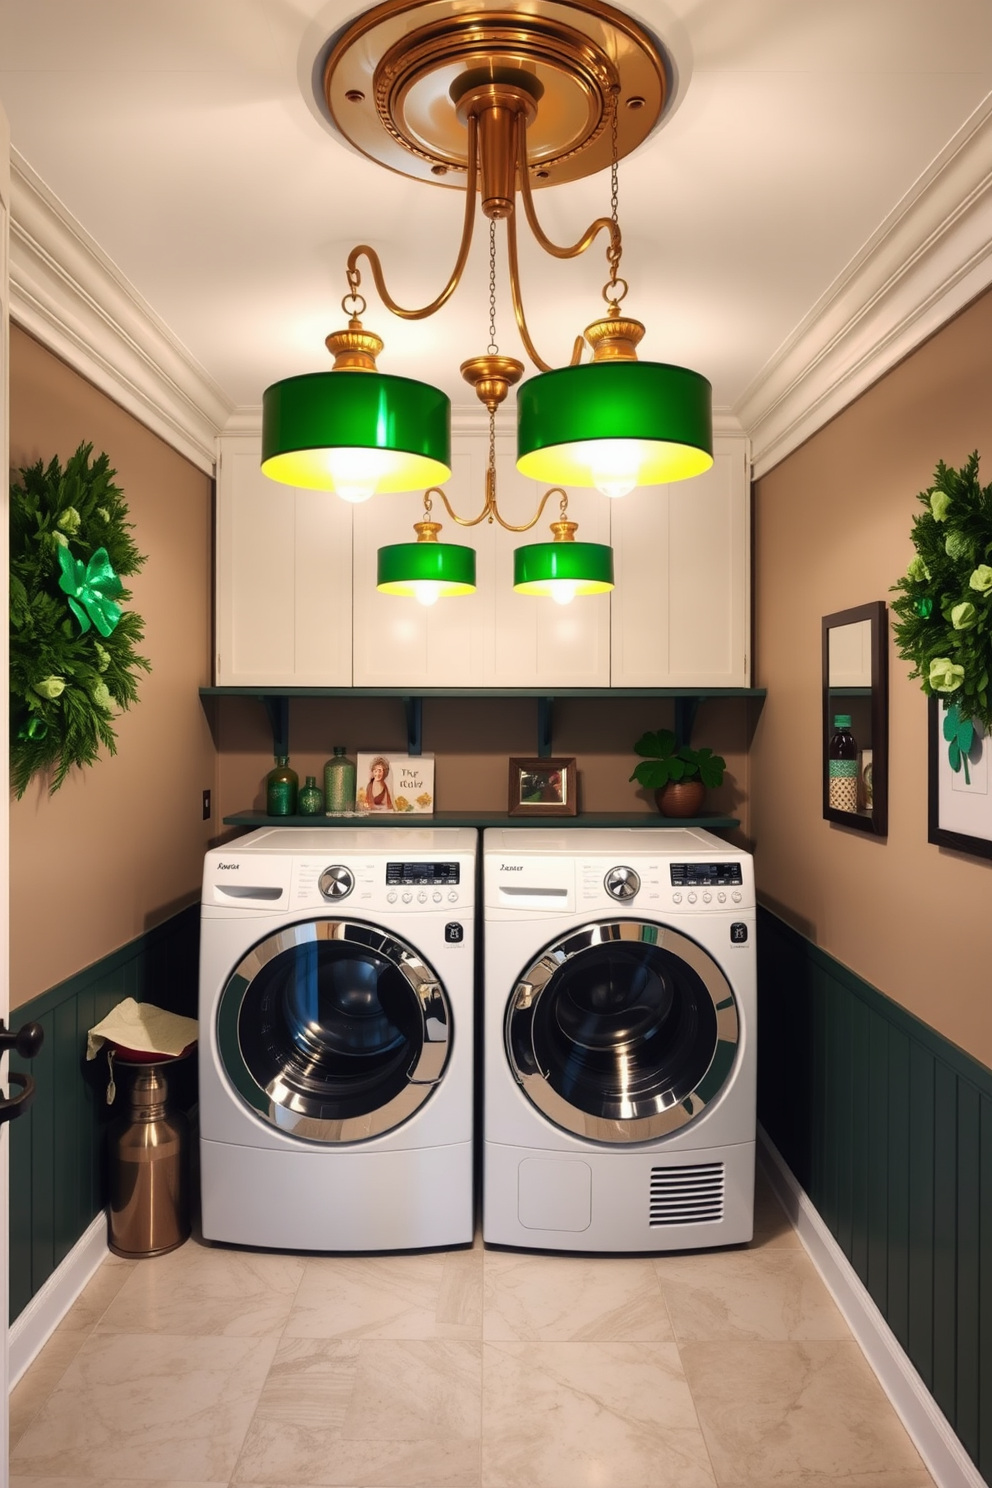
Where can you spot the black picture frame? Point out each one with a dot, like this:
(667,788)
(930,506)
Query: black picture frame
(875,700)
(976,844)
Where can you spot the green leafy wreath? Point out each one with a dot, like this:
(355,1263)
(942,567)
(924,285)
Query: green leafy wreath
(945,603)
(72,646)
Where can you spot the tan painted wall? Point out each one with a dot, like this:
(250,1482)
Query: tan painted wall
(119,848)
(832,527)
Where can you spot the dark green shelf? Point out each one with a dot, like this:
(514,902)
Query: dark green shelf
(276,701)
(483,819)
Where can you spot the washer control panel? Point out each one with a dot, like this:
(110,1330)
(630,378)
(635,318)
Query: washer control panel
(379,883)
(658,883)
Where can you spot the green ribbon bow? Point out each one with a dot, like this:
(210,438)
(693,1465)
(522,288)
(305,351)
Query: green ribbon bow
(95,586)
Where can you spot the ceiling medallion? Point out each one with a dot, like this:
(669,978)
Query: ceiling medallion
(496,100)
(394,80)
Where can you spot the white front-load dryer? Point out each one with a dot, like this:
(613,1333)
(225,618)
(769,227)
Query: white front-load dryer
(619,1034)
(336,1038)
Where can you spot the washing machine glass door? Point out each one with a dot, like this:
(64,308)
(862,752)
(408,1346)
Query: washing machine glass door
(622,1031)
(333,1030)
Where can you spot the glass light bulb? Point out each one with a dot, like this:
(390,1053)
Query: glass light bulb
(426,591)
(563,591)
(615,466)
(355,473)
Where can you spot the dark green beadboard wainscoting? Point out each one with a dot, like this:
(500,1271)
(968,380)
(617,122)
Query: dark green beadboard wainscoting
(57,1150)
(888,1129)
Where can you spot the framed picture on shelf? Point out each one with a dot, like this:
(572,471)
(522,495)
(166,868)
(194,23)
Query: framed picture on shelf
(542,787)
(960,801)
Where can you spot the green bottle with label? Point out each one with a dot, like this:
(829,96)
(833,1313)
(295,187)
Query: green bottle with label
(281,787)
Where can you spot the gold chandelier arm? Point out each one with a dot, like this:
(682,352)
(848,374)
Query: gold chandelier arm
(518,304)
(462,521)
(526,526)
(363,249)
(543,240)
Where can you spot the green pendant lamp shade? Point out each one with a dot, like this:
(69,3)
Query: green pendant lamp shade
(426,570)
(356,433)
(563,569)
(614,425)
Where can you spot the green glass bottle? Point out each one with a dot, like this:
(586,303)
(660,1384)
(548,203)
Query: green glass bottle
(281,786)
(339,784)
(310,801)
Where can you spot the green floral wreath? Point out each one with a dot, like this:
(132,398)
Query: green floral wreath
(72,646)
(945,603)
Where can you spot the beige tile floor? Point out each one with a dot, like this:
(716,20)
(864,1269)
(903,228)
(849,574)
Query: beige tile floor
(470,1369)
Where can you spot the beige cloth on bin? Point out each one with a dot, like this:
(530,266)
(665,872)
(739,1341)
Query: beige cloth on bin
(142,1025)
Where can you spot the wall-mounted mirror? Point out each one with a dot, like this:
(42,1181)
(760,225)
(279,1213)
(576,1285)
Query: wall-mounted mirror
(856,718)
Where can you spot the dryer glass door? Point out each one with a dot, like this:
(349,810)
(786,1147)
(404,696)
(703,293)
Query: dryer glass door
(622,1031)
(333,1030)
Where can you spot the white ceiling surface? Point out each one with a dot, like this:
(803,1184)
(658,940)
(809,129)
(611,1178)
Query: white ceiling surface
(180,138)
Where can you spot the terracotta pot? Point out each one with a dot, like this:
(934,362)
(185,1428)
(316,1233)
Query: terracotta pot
(680,797)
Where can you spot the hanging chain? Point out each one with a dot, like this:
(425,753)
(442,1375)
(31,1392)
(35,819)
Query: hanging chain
(611,291)
(354,304)
(563,507)
(492,348)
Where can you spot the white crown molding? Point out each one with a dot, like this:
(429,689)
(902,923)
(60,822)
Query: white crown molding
(73,298)
(930,257)
(933,1436)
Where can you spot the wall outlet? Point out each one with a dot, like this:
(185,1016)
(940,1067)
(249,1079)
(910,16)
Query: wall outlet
(206,805)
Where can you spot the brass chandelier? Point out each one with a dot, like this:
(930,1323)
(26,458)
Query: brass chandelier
(499,101)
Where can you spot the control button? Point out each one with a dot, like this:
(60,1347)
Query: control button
(392,897)
(454,933)
(707,897)
(722,898)
(691,898)
(336,882)
(676,898)
(436,896)
(422,897)
(452,896)
(622,883)
(737,896)
(407,897)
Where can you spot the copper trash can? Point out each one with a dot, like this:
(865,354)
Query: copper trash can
(149,1168)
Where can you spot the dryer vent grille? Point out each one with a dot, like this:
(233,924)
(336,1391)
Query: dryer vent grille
(690,1195)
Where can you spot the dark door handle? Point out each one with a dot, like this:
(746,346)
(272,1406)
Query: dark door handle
(26,1041)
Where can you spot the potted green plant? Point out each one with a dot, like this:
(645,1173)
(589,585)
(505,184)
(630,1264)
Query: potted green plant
(678,774)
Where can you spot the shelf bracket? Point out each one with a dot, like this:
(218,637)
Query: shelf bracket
(277,709)
(414,725)
(685,718)
(545,727)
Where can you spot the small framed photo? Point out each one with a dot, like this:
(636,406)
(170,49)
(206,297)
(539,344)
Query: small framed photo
(396,783)
(542,787)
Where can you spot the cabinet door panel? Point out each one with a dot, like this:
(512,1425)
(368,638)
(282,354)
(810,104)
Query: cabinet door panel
(398,641)
(681,606)
(283,578)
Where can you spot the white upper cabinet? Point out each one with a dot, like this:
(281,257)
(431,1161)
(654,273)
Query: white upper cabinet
(494,637)
(284,560)
(294,566)
(681,606)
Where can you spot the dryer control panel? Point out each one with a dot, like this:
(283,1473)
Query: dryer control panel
(687,885)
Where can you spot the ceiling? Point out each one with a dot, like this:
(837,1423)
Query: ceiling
(186,140)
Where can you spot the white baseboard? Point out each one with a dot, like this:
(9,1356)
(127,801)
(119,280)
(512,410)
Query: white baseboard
(34,1327)
(946,1459)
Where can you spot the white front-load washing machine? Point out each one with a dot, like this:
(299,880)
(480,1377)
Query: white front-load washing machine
(620,1050)
(336,1038)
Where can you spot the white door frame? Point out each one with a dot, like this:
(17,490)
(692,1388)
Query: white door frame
(4,755)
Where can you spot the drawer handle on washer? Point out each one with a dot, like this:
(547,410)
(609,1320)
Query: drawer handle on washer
(248,891)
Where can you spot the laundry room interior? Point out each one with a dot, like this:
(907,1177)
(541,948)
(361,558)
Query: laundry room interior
(872,1211)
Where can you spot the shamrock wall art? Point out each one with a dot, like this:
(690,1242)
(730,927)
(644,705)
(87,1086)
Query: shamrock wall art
(73,661)
(944,629)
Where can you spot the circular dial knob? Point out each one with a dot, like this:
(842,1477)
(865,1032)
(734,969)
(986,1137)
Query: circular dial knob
(622,883)
(336,882)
